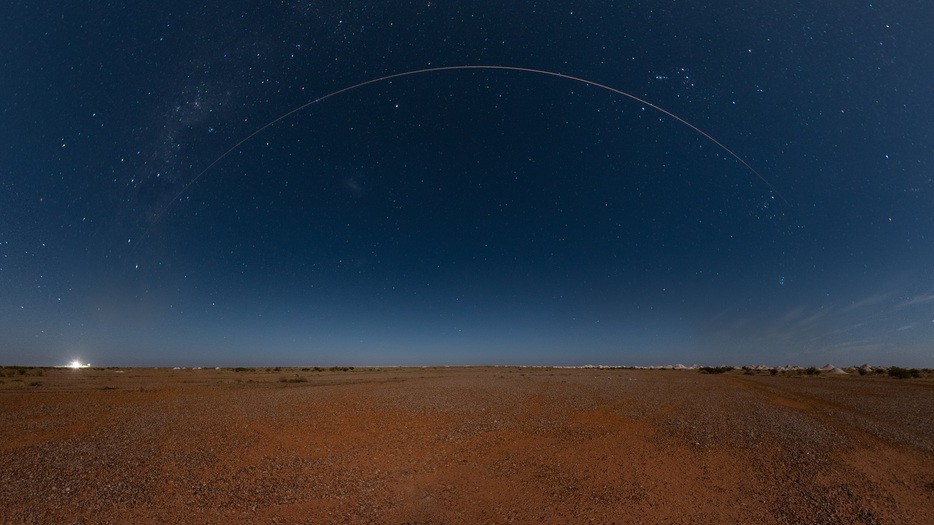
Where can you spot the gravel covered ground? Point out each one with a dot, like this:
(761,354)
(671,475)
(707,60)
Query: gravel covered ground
(463,445)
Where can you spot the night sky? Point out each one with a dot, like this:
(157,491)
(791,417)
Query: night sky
(481,216)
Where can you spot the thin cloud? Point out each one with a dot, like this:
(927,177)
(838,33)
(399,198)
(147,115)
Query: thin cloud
(869,301)
(916,300)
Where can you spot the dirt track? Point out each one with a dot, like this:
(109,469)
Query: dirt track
(475,445)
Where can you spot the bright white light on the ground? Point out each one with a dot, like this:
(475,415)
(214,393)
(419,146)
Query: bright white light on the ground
(77,364)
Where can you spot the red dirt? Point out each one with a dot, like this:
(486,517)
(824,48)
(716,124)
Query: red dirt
(463,445)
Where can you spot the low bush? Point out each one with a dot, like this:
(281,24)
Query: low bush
(714,369)
(904,373)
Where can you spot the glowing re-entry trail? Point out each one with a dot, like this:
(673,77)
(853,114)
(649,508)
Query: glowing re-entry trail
(469,67)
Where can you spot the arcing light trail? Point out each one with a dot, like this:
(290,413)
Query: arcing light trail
(460,68)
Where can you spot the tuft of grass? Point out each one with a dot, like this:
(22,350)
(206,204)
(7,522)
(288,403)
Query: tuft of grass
(10,371)
(296,379)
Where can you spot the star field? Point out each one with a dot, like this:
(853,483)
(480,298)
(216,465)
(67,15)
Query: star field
(466,216)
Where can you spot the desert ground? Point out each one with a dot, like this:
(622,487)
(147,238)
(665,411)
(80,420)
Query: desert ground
(463,445)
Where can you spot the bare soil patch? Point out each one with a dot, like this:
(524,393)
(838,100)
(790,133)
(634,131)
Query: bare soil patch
(463,445)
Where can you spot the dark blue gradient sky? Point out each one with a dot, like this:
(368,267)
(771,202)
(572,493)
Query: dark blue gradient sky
(469,216)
